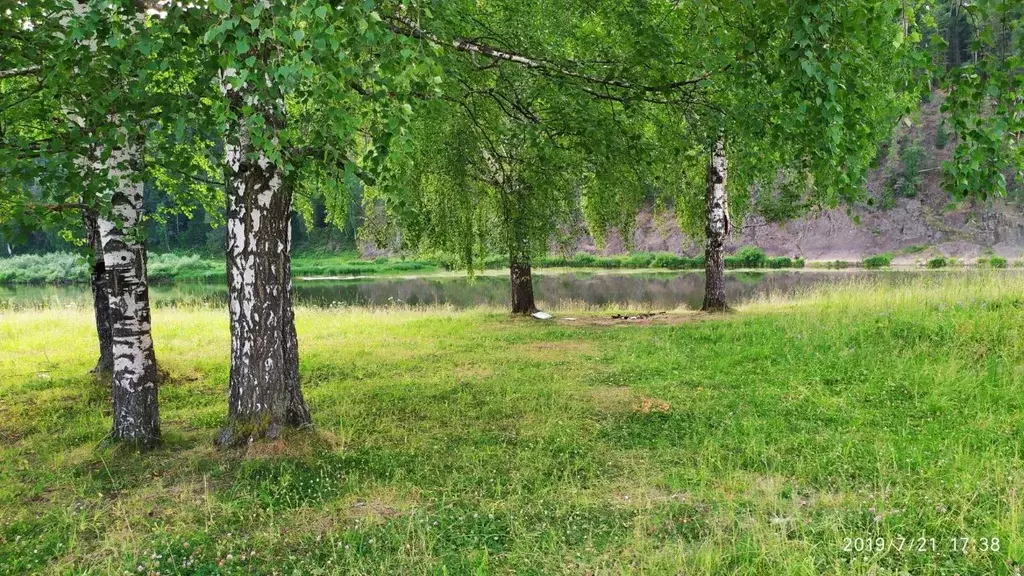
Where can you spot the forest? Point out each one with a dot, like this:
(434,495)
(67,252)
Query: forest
(335,316)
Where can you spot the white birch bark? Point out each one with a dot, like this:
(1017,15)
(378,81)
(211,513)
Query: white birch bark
(264,390)
(136,414)
(716,229)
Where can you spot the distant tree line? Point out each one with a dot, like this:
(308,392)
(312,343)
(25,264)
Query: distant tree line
(169,228)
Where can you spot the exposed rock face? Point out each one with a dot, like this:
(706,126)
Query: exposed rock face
(930,220)
(965,232)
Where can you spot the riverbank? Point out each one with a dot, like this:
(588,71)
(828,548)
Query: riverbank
(472,442)
(63,268)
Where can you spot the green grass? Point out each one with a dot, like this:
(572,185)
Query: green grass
(473,443)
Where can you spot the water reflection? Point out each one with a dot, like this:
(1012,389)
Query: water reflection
(651,290)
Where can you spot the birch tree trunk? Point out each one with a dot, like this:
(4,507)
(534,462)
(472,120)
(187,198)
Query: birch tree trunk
(100,297)
(265,394)
(716,228)
(134,391)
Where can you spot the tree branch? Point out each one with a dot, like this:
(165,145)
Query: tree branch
(406,27)
(24,71)
(61,207)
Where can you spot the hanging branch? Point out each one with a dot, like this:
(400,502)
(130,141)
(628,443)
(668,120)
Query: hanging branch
(406,27)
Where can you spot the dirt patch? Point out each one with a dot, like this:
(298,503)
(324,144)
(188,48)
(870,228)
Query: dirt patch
(636,315)
(623,399)
(291,444)
(372,510)
(648,405)
(637,319)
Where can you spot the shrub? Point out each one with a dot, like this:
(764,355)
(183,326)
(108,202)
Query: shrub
(552,261)
(935,263)
(799,263)
(878,261)
(838,265)
(640,260)
(676,262)
(583,260)
(747,257)
(176,266)
(941,135)
(997,262)
(910,178)
(780,262)
(40,268)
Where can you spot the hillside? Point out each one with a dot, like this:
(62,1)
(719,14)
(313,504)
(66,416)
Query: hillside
(920,222)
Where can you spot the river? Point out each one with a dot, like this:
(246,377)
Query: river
(647,290)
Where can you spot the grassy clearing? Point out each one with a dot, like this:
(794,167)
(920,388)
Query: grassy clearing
(472,443)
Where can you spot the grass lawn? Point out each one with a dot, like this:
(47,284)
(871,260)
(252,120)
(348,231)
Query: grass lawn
(474,443)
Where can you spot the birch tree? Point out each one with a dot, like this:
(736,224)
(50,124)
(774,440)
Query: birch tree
(802,88)
(82,135)
(300,84)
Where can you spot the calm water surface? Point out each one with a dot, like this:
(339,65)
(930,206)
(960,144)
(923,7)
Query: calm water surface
(662,290)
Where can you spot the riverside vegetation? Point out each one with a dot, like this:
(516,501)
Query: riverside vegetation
(475,443)
(69,268)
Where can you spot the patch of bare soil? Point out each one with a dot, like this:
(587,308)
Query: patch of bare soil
(648,405)
(638,319)
(622,399)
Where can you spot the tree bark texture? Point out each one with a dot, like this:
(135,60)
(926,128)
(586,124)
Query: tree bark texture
(522,287)
(716,228)
(134,391)
(519,255)
(100,297)
(265,394)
